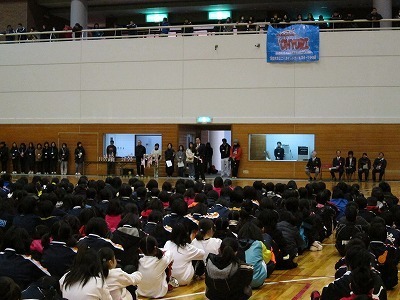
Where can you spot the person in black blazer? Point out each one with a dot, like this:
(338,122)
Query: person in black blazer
(199,160)
(313,166)
(379,166)
(350,165)
(338,164)
(140,151)
(364,165)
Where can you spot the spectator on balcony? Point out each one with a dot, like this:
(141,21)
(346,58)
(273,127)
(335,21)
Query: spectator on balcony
(218,28)
(96,32)
(9,30)
(241,27)
(374,16)
(299,18)
(21,29)
(322,25)
(188,29)
(165,23)
(275,20)
(228,25)
(131,28)
(310,17)
(251,26)
(77,30)
(32,36)
(349,18)
(44,35)
(68,33)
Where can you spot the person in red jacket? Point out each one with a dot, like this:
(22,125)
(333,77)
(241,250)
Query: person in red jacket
(236,154)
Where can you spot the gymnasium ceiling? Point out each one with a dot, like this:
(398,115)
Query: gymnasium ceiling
(120,8)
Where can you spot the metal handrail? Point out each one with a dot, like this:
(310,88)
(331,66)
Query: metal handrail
(200,29)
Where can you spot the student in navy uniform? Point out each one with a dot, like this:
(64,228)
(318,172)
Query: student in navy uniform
(22,157)
(338,164)
(379,166)
(199,160)
(63,155)
(79,158)
(3,157)
(30,158)
(58,254)
(46,158)
(279,152)
(53,158)
(140,151)
(15,261)
(14,153)
(364,165)
(313,166)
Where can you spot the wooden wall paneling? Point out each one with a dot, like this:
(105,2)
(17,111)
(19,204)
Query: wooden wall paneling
(370,138)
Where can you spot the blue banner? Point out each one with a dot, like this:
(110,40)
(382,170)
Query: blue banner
(295,43)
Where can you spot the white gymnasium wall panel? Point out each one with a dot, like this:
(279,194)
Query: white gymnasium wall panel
(40,77)
(237,73)
(132,49)
(351,104)
(349,72)
(225,47)
(131,106)
(41,107)
(239,105)
(148,75)
(40,53)
(359,43)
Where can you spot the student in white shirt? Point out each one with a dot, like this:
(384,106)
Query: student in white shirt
(85,280)
(183,254)
(204,240)
(116,279)
(154,283)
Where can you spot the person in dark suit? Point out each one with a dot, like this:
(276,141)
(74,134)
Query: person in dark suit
(111,154)
(279,152)
(350,165)
(379,166)
(313,166)
(338,164)
(364,165)
(199,160)
(140,151)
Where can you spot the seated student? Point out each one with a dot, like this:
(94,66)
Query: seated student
(153,268)
(347,229)
(390,199)
(96,231)
(222,229)
(350,165)
(338,164)
(226,276)
(9,289)
(179,210)
(85,280)
(221,207)
(326,213)
(339,202)
(128,235)
(393,234)
(363,212)
(253,251)
(204,240)
(155,228)
(313,166)
(15,261)
(379,166)
(183,253)
(356,257)
(293,240)
(58,254)
(117,280)
(386,255)
(46,287)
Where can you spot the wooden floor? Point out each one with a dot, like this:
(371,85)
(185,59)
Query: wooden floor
(315,270)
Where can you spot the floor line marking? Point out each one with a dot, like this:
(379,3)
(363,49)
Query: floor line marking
(302,292)
(297,280)
(182,296)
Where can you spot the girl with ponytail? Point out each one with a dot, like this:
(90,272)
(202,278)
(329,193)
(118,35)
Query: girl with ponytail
(226,276)
(153,267)
(116,279)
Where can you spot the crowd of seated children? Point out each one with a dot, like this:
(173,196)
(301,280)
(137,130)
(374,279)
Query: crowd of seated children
(270,224)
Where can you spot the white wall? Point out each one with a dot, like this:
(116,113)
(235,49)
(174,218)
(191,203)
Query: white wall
(174,80)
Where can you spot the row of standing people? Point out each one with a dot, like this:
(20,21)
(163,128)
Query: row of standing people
(349,166)
(40,159)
